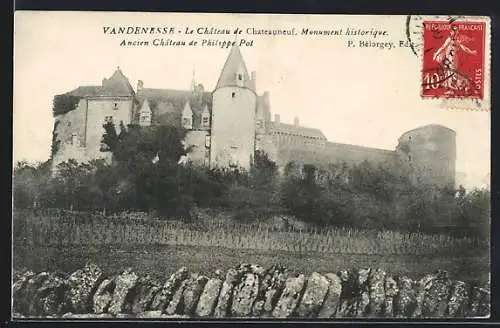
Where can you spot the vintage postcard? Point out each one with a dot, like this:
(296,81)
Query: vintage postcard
(175,165)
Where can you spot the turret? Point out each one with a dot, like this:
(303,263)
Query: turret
(205,118)
(187,116)
(428,155)
(145,114)
(234,105)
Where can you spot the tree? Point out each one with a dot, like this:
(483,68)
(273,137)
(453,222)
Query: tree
(161,185)
(64,103)
(54,146)
(30,184)
(109,138)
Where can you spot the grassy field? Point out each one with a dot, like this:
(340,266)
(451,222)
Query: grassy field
(161,261)
(65,242)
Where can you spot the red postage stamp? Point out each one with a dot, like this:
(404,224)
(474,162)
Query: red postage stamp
(453,59)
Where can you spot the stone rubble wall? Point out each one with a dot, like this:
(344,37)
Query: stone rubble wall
(245,291)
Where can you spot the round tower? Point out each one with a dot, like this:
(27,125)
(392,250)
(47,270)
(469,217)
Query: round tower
(234,104)
(427,155)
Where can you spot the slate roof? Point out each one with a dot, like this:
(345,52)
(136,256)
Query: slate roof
(232,66)
(167,104)
(296,130)
(86,91)
(117,85)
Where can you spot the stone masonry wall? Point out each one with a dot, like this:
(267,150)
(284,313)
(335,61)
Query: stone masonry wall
(245,291)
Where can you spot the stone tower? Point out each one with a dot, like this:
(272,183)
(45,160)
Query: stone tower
(427,155)
(234,104)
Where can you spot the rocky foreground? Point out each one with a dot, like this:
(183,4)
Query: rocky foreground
(246,291)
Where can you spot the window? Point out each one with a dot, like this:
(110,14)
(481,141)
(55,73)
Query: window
(186,121)
(239,79)
(207,141)
(145,119)
(233,94)
(115,107)
(108,119)
(74,139)
(205,121)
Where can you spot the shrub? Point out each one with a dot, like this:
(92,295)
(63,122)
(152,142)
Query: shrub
(64,103)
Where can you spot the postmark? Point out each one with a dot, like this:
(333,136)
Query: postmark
(414,31)
(453,59)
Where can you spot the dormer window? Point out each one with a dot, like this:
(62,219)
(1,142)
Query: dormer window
(187,123)
(145,119)
(205,121)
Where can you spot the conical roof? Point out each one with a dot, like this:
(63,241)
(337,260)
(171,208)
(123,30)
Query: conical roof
(205,110)
(235,65)
(145,107)
(187,109)
(117,85)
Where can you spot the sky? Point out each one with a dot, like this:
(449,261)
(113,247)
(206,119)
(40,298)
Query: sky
(365,96)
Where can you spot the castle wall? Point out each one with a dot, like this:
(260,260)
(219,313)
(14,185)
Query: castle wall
(72,122)
(98,110)
(66,152)
(268,144)
(353,154)
(199,154)
(233,127)
(321,153)
(70,132)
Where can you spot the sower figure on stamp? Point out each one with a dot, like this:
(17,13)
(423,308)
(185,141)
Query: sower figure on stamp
(447,58)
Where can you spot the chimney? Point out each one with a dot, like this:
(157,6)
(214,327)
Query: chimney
(266,105)
(265,97)
(254,79)
(296,121)
(276,118)
(140,85)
